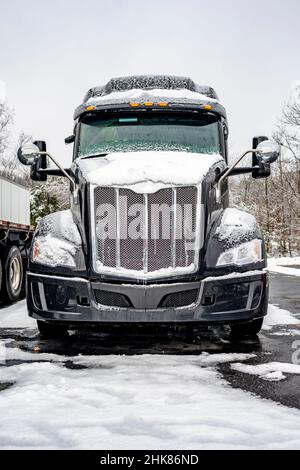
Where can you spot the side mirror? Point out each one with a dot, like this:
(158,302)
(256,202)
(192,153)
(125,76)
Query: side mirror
(267,151)
(264,153)
(70,139)
(31,154)
(40,163)
(28,153)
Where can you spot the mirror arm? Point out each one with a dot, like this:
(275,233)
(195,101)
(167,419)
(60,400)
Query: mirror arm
(65,173)
(228,171)
(234,164)
(54,171)
(239,171)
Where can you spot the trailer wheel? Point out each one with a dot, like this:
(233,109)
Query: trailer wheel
(12,274)
(0,279)
(49,331)
(251,328)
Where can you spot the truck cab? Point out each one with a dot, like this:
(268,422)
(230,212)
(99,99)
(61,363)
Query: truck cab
(149,238)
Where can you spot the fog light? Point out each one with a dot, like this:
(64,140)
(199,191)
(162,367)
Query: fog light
(62,295)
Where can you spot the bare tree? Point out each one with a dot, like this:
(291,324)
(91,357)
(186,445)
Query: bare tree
(276,200)
(9,164)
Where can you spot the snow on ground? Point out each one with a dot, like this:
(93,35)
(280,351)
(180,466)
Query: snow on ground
(278,316)
(15,316)
(290,332)
(284,265)
(137,402)
(272,371)
(142,401)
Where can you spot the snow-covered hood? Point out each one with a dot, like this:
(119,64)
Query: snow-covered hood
(149,171)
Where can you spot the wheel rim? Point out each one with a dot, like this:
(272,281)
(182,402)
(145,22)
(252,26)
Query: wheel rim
(15,274)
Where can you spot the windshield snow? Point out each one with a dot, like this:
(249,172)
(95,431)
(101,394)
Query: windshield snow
(131,133)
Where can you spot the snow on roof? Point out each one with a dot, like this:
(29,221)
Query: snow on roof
(149,82)
(150,168)
(156,94)
(177,91)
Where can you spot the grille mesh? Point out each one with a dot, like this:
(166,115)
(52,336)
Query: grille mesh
(106,246)
(179,299)
(186,225)
(112,299)
(131,250)
(159,230)
(147,233)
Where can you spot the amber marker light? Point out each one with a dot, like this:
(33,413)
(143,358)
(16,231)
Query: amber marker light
(90,108)
(163,104)
(148,103)
(208,107)
(135,105)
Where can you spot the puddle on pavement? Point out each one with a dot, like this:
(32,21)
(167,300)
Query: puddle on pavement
(5,385)
(85,343)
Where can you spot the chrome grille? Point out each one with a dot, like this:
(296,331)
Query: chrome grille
(131,250)
(160,242)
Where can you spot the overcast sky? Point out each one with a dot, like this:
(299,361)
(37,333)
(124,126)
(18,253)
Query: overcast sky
(51,52)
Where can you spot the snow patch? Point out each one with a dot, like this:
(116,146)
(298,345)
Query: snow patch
(278,316)
(272,371)
(231,276)
(55,252)
(235,224)
(137,94)
(291,332)
(284,265)
(157,168)
(58,240)
(141,402)
(15,316)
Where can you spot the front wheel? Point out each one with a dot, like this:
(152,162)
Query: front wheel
(49,331)
(251,328)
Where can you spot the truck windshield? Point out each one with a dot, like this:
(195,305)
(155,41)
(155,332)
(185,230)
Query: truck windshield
(145,131)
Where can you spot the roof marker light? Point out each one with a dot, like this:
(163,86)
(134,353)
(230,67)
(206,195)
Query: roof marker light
(148,103)
(135,105)
(208,107)
(90,108)
(163,104)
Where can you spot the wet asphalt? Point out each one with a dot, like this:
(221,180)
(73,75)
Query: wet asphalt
(268,346)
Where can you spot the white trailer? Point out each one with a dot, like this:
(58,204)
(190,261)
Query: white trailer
(15,237)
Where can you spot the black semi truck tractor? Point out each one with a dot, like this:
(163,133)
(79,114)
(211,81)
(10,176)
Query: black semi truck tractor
(150,238)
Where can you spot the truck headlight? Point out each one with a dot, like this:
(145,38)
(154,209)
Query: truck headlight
(246,253)
(51,251)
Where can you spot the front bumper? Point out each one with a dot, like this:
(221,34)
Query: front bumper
(233,298)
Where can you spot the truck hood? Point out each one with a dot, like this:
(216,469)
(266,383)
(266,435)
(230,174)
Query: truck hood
(148,171)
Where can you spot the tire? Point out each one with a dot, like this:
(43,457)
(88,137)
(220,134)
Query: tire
(0,279)
(12,274)
(49,331)
(251,328)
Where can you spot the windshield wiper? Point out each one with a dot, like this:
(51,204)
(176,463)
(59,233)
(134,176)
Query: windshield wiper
(94,156)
